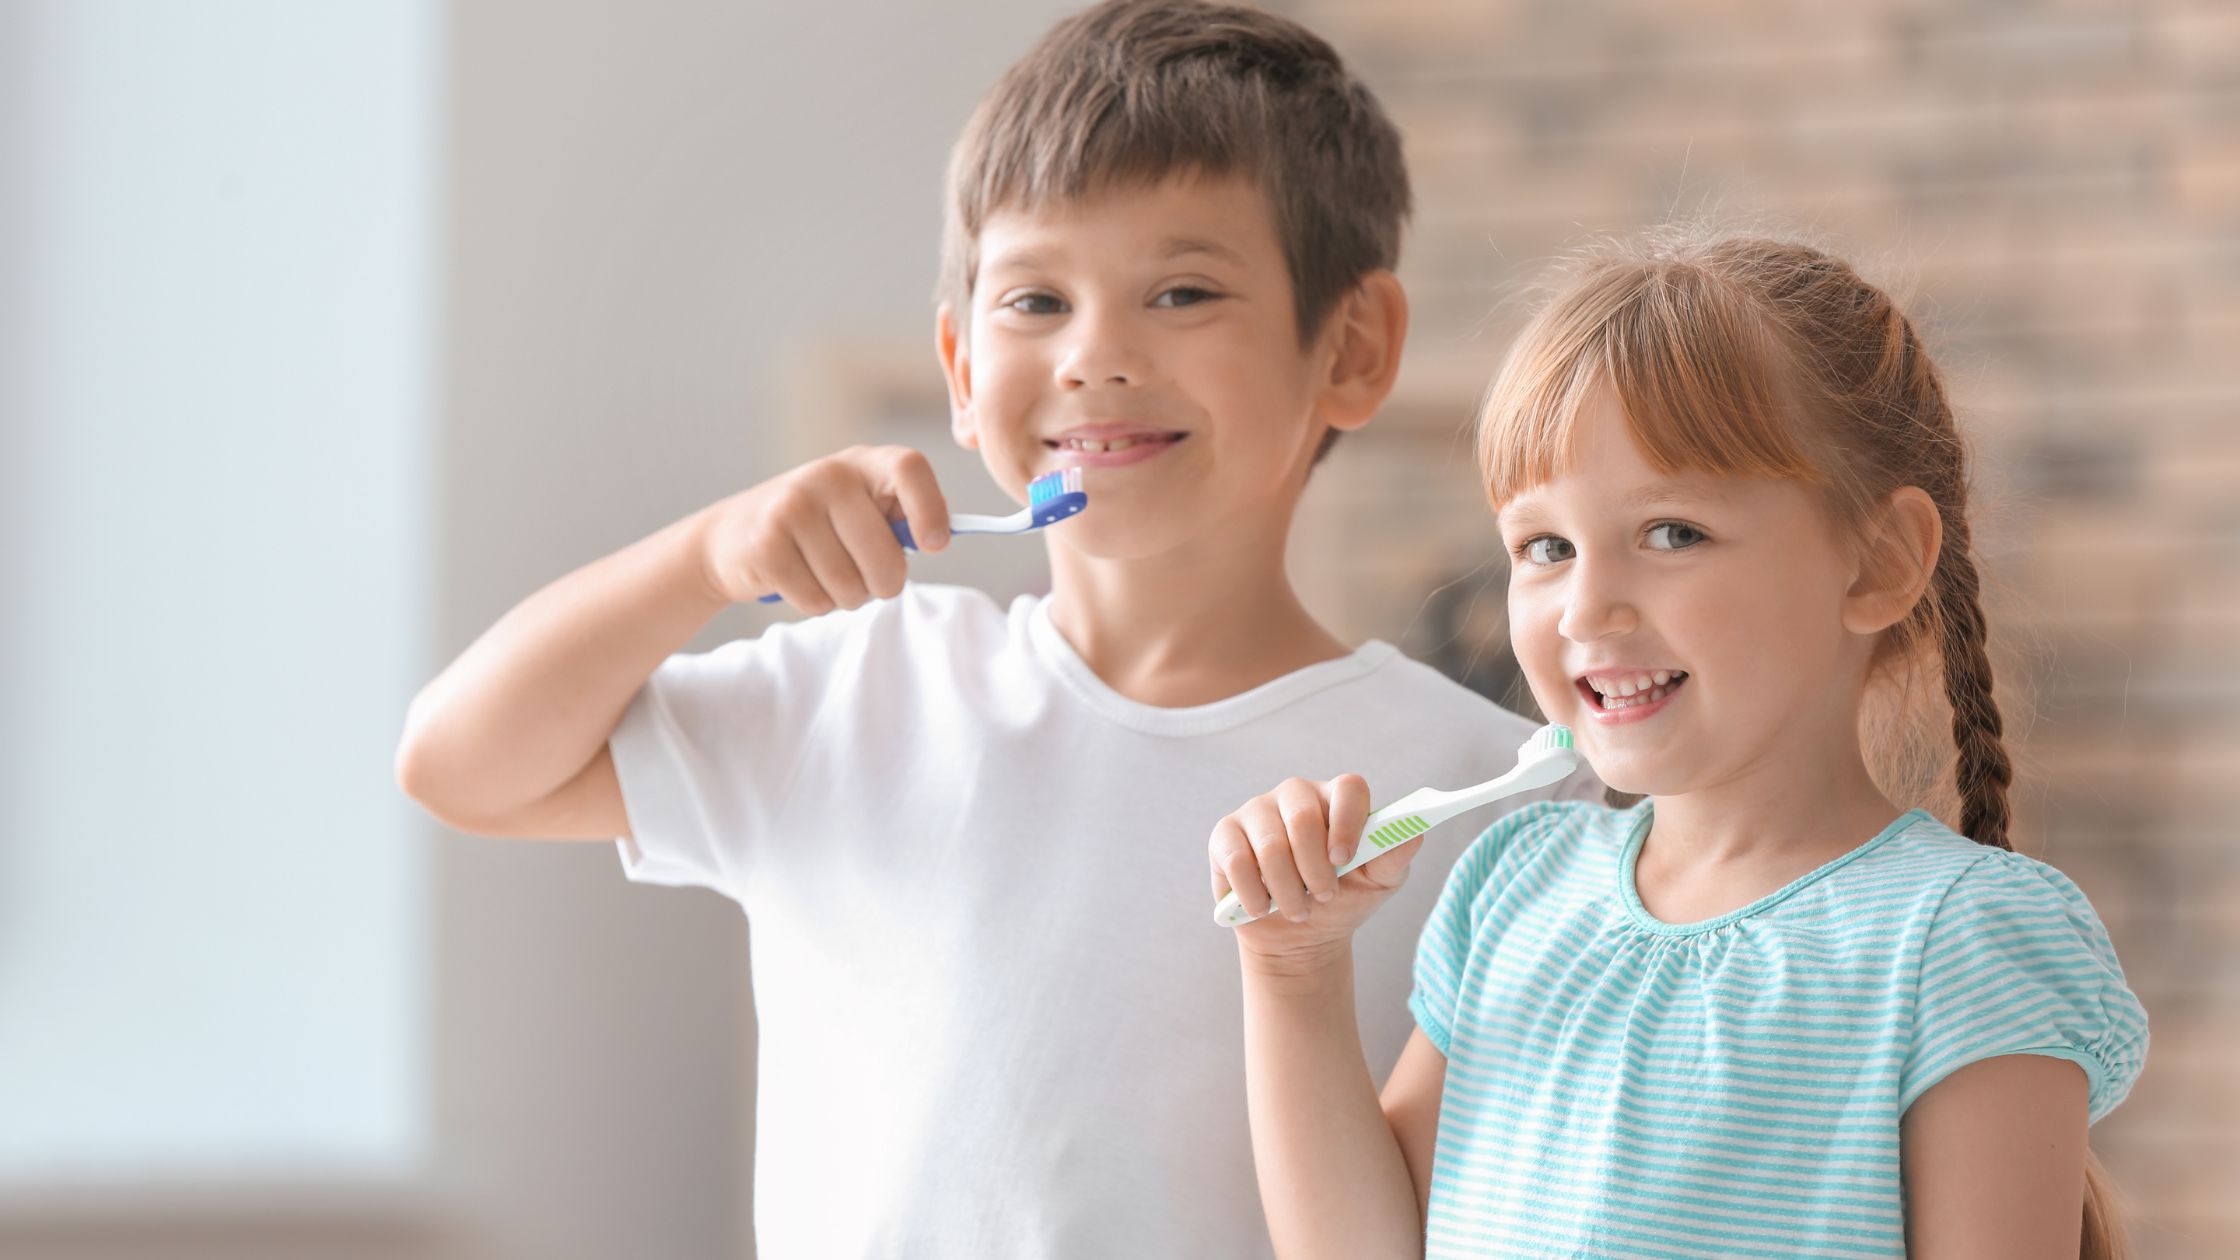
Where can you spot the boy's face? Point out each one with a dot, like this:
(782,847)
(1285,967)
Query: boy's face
(1146,336)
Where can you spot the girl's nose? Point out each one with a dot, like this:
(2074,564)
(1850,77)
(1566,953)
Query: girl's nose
(1594,607)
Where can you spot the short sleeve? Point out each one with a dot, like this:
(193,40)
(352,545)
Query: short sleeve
(706,748)
(2016,962)
(1443,951)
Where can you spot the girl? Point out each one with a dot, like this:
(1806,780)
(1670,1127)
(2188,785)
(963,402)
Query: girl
(1765,1012)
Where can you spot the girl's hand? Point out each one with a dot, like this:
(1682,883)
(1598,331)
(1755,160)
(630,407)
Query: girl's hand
(1283,849)
(819,535)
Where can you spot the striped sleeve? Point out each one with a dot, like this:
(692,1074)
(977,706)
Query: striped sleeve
(1444,948)
(2016,962)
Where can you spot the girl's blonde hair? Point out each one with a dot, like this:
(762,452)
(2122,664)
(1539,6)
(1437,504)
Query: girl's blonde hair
(1746,356)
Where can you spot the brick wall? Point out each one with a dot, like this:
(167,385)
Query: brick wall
(2055,189)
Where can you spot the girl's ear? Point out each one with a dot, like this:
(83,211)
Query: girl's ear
(1905,536)
(1362,345)
(956,366)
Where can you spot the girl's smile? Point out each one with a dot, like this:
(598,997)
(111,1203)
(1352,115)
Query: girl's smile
(1628,695)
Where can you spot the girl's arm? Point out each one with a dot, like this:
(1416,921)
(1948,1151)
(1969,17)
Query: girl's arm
(1341,1173)
(1993,1157)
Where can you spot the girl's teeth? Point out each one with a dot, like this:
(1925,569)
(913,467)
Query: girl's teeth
(1628,701)
(1114,444)
(1625,693)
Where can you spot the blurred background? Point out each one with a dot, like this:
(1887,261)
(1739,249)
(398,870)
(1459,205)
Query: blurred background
(328,332)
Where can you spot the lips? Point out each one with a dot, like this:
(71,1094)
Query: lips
(1628,695)
(1112,445)
(1098,438)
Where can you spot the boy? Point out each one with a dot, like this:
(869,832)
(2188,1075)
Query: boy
(994,1016)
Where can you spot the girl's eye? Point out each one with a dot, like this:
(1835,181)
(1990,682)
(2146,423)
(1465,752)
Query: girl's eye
(1184,295)
(1678,537)
(1036,304)
(1546,549)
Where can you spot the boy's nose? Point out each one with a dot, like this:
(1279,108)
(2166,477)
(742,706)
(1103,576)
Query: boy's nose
(1099,356)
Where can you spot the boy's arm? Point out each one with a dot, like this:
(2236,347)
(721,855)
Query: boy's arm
(511,739)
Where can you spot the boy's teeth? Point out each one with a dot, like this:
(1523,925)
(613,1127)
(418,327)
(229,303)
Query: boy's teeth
(1112,444)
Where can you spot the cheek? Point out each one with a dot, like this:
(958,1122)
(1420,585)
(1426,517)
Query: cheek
(1533,634)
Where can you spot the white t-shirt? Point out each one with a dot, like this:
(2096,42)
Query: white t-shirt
(996,1017)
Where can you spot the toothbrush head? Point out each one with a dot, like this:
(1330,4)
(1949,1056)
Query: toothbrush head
(1548,756)
(1054,496)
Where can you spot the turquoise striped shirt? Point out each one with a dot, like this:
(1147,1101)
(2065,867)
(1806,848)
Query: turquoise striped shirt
(1621,1086)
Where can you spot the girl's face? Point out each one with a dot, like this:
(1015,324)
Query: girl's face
(1688,628)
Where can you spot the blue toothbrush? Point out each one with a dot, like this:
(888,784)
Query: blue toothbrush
(1051,498)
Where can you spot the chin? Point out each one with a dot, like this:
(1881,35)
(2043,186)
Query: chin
(1112,538)
(1633,775)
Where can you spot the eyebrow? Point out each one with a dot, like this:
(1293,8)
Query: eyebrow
(1655,495)
(1022,258)
(1179,246)
(1176,247)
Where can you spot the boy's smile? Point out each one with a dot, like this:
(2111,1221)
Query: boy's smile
(1112,445)
(1147,335)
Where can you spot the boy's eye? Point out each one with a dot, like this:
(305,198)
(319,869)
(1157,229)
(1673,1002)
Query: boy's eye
(1036,304)
(1678,537)
(1184,295)
(1546,549)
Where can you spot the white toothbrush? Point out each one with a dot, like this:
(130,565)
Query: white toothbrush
(1544,759)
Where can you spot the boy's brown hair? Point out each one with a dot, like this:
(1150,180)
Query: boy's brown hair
(1132,91)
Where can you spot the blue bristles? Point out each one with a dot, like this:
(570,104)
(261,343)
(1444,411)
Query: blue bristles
(1055,496)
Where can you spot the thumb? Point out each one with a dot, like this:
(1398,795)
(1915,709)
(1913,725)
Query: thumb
(1389,870)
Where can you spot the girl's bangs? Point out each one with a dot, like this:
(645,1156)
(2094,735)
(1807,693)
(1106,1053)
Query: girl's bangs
(1694,370)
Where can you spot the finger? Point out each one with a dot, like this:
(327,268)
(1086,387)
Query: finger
(871,545)
(923,505)
(828,559)
(1230,855)
(1348,809)
(1300,803)
(1389,869)
(1271,847)
(782,569)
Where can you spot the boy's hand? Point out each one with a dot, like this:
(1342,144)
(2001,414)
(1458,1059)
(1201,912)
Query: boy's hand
(819,535)
(1283,849)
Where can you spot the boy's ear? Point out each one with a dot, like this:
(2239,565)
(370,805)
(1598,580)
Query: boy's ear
(1905,537)
(1362,345)
(956,366)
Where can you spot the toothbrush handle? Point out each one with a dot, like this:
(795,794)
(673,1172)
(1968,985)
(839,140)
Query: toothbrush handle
(901,535)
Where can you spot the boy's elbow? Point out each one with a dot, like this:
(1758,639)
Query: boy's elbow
(418,780)
(417,777)
(419,770)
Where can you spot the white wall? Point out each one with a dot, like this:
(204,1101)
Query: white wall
(218,404)
(640,209)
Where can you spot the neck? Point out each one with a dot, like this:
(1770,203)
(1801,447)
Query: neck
(1815,801)
(1190,626)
